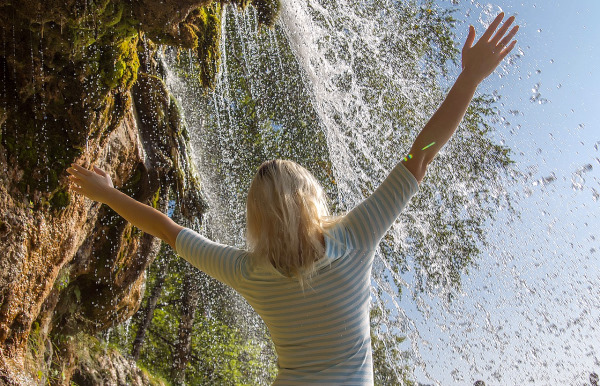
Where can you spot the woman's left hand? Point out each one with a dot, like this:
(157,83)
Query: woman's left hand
(481,59)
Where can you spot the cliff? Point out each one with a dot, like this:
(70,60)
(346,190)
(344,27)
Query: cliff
(81,83)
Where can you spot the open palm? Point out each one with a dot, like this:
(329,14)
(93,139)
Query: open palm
(481,59)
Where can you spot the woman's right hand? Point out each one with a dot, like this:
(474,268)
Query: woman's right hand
(94,184)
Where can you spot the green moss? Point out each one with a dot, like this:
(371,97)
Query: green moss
(35,351)
(112,15)
(130,233)
(95,45)
(63,280)
(60,199)
(201,31)
(155,380)
(3,115)
(155,199)
(119,64)
(40,150)
(208,22)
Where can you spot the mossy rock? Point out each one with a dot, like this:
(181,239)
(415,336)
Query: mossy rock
(60,199)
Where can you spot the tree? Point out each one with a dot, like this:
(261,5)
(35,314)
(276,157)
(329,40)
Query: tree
(147,312)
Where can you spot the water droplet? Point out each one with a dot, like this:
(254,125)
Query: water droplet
(577,180)
(581,126)
(539,30)
(545,180)
(559,85)
(551,61)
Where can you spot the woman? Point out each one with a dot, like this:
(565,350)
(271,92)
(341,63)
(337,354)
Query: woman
(308,277)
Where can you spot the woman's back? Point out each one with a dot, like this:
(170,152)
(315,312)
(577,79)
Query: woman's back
(322,332)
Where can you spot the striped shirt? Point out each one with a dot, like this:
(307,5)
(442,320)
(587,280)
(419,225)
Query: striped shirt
(322,333)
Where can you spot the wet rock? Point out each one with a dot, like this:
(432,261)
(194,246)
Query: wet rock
(69,266)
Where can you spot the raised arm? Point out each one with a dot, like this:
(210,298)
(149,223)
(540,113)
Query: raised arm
(478,61)
(97,185)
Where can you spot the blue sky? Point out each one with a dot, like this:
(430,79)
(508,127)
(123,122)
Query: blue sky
(530,312)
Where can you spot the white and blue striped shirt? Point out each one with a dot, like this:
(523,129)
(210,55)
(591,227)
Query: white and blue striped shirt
(322,333)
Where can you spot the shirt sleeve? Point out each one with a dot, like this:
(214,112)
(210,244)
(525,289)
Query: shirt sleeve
(370,220)
(219,261)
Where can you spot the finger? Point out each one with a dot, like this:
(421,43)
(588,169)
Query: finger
(509,37)
(488,32)
(503,29)
(81,169)
(73,172)
(74,179)
(507,49)
(470,38)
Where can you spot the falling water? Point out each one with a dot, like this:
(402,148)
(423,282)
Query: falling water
(343,87)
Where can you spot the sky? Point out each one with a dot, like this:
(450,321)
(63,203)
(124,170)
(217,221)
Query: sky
(530,312)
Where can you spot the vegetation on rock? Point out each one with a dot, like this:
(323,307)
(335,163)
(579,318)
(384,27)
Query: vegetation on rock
(80,83)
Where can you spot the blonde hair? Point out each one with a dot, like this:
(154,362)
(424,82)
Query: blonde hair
(286,212)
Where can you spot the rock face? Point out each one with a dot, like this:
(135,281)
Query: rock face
(100,365)
(80,83)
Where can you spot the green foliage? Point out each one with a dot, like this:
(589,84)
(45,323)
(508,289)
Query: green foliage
(391,363)
(221,353)
(223,356)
